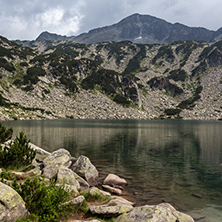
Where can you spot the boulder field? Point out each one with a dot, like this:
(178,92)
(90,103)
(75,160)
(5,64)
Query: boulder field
(80,174)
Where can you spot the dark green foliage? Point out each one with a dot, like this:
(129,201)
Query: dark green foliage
(6,65)
(42,199)
(121,100)
(189,103)
(172,112)
(68,81)
(178,75)
(5,52)
(19,153)
(5,134)
(3,101)
(106,79)
(32,75)
(134,63)
(164,83)
(17,82)
(201,69)
(24,64)
(166,53)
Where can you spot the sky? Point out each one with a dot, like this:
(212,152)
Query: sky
(26,19)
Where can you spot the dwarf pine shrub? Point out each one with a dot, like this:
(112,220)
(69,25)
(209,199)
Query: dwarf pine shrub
(5,134)
(18,153)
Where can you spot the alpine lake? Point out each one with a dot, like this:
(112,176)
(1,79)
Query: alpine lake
(179,162)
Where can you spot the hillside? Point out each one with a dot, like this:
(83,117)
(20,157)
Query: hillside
(143,29)
(112,80)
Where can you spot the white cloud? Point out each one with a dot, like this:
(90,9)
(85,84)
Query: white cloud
(27,19)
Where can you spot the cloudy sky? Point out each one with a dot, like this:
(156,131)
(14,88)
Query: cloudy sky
(26,19)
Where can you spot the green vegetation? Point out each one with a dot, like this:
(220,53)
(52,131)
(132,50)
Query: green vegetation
(5,134)
(189,103)
(18,153)
(32,74)
(4,64)
(164,53)
(172,112)
(134,64)
(121,100)
(178,75)
(164,83)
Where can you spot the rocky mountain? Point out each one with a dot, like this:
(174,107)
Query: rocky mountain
(144,29)
(111,80)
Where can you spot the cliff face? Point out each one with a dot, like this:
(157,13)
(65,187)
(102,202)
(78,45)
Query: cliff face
(115,80)
(143,29)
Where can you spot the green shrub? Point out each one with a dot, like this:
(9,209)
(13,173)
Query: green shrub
(41,198)
(178,75)
(18,154)
(121,100)
(172,112)
(5,134)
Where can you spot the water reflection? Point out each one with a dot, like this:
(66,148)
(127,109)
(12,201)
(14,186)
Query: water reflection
(173,161)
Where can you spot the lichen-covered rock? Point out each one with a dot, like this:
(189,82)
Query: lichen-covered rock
(67,176)
(75,202)
(84,168)
(41,154)
(54,161)
(83,184)
(12,206)
(113,208)
(113,179)
(155,213)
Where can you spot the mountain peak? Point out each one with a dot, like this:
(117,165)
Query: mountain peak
(145,29)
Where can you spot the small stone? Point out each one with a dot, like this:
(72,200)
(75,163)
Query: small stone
(113,190)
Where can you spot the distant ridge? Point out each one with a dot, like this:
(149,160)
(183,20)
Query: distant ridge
(143,29)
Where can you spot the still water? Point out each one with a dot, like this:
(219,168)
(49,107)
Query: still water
(179,162)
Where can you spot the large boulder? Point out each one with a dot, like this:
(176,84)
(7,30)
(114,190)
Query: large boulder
(113,208)
(12,206)
(41,154)
(67,176)
(155,213)
(84,168)
(54,161)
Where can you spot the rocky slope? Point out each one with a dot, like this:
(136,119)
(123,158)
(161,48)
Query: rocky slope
(112,80)
(144,29)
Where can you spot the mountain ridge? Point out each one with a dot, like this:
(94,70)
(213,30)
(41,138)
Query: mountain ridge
(137,28)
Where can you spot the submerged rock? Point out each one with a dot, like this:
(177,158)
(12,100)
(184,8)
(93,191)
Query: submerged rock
(113,190)
(155,213)
(12,206)
(54,161)
(84,168)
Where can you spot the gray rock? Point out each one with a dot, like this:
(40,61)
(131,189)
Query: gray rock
(41,154)
(84,168)
(83,184)
(67,176)
(12,206)
(54,161)
(113,190)
(113,208)
(113,179)
(75,202)
(155,213)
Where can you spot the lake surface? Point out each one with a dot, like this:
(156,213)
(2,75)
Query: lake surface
(179,162)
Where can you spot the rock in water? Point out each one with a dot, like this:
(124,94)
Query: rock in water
(113,179)
(84,168)
(155,213)
(54,161)
(12,206)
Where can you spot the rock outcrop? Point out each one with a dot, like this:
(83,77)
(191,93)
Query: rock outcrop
(54,161)
(84,168)
(12,206)
(156,213)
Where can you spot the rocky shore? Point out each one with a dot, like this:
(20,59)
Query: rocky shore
(79,175)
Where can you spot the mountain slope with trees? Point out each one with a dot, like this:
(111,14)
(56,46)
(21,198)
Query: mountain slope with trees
(114,80)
